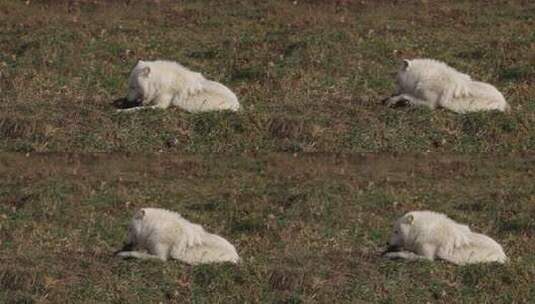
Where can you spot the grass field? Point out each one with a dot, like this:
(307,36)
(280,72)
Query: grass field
(310,74)
(310,229)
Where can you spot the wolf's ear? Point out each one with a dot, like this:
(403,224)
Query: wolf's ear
(409,219)
(145,71)
(140,214)
(406,64)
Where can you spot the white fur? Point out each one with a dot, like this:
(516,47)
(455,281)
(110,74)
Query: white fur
(432,83)
(160,84)
(165,234)
(429,235)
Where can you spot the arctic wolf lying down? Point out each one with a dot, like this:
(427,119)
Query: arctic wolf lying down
(431,83)
(429,235)
(165,234)
(160,84)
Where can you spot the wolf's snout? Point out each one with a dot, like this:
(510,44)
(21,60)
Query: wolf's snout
(392,248)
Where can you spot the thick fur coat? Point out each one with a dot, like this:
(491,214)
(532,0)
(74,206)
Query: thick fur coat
(162,234)
(429,235)
(160,84)
(431,83)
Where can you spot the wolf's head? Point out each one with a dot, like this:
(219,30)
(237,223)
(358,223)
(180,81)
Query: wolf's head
(405,78)
(400,232)
(139,89)
(134,228)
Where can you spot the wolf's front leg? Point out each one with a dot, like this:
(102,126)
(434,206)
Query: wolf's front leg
(135,109)
(161,252)
(406,99)
(160,102)
(395,101)
(407,255)
(139,255)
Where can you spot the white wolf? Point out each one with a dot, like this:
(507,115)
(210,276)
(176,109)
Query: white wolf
(429,235)
(431,83)
(160,84)
(165,234)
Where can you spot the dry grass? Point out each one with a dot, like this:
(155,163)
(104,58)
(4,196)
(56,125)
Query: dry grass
(309,228)
(310,75)
(319,66)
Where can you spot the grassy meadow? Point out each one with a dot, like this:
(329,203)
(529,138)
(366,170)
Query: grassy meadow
(309,74)
(309,227)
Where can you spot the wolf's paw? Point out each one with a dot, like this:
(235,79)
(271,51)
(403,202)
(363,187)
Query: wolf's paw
(123,254)
(396,102)
(127,110)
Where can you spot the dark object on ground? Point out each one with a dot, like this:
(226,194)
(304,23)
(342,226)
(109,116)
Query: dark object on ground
(399,104)
(123,103)
(391,249)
